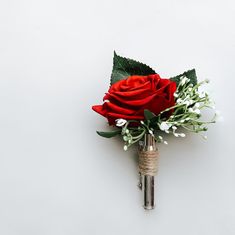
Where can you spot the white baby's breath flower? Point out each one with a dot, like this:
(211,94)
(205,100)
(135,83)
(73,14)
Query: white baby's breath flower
(176,95)
(183,81)
(197,105)
(176,134)
(165,142)
(164,126)
(150,132)
(174,127)
(120,122)
(197,111)
(190,110)
(191,101)
(201,94)
(125,138)
(125,147)
(160,137)
(178,101)
(187,102)
(182,135)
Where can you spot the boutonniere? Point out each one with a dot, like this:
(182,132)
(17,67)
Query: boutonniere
(141,105)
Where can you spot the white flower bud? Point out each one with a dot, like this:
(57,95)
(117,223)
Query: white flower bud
(197,111)
(179,101)
(201,94)
(183,81)
(164,126)
(190,110)
(120,122)
(125,138)
(182,135)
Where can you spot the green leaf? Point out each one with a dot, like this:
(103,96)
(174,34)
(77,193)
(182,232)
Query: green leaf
(148,114)
(108,134)
(191,74)
(124,67)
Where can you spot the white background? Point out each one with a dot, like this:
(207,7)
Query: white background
(56,175)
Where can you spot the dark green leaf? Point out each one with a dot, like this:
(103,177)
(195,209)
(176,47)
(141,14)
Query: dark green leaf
(108,134)
(148,114)
(191,74)
(154,122)
(124,67)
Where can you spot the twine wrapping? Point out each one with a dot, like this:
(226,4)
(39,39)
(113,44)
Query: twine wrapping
(148,161)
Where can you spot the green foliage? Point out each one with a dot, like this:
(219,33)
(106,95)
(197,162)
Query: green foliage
(148,114)
(186,112)
(108,134)
(124,67)
(190,74)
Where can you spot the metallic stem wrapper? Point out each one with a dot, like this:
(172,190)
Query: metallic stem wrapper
(146,183)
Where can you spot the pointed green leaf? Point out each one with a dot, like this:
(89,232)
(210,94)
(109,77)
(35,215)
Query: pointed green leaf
(124,67)
(148,114)
(108,134)
(191,74)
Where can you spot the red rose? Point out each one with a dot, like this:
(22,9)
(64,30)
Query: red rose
(128,98)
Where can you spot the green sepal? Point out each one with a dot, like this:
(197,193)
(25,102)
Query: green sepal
(148,114)
(124,67)
(191,74)
(108,134)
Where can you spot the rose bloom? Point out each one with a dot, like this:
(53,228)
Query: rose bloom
(128,98)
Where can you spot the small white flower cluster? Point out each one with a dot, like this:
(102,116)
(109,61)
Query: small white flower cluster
(186,113)
(195,109)
(190,99)
(168,127)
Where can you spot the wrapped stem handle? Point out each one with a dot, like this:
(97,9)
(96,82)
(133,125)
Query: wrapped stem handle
(148,157)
